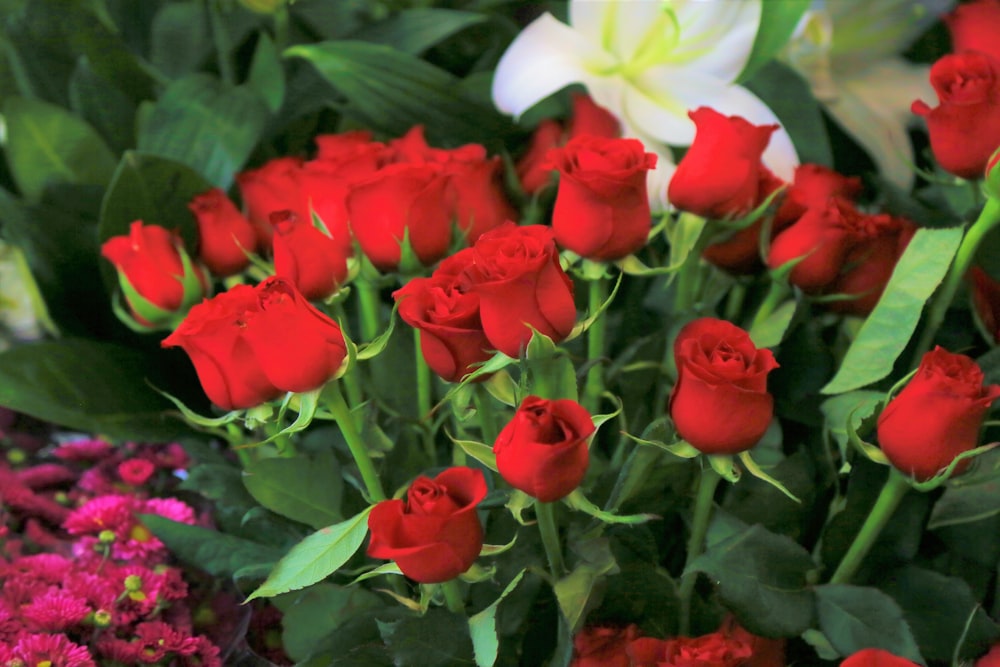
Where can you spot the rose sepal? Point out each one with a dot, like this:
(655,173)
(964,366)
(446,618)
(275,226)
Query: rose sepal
(517,503)
(551,372)
(754,469)
(479,451)
(943,476)
(680,448)
(582,326)
(867,449)
(367,350)
(724,465)
(126,317)
(497,549)
(385,568)
(194,418)
(578,501)
(306,404)
(478,573)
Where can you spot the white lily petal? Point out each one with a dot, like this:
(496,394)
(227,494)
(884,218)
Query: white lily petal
(618,27)
(659,114)
(547,56)
(866,30)
(717,37)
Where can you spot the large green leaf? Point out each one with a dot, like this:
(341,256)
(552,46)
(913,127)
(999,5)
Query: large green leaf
(856,617)
(103,105)
(302,488)
(483,627)
(778,19)
(970,497)
(391,91)
(418,29)
(206,124)
(436,639)
(763,579)
(87,385)
(887,330)
(317,612)
(48,145)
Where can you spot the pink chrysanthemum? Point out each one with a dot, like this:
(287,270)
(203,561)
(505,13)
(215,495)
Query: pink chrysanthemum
(110,512)
(52,650)
(45,474)
(136,472)
(171,508)
(83,450)
(55,611)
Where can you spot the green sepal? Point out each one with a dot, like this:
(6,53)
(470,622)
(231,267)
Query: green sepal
(550,372)
(409,263)
(497,549)
(582,326)
(351,360)
(479,451)
(497,362)
(385,568)
(376,345)
(757,472)
(143,307)
(590,270)
(781,273)
(868,450)
(599,420)
(194,418)
(517,503)
(578,501)
(126,318)
(680,448)
(477,573)
(420,607)
(723,464)
(682,234)
(502,387)
(943,476)
(260,415)
(308,401)
(194,289)
(739,224)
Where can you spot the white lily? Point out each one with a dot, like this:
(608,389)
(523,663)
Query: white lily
(848,51)
(648,62)
(22,314)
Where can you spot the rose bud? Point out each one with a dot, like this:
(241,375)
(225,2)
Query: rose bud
(306,257)
(446,312)
(715,650)
(974,26)
(544,449)
(720,404)
(588,117)
(965,126)
(521,285)
(239,344)
(991,659)
(766,652)
(434,535)
(986,300)
(602,209)
(875,657)
(603,647)
(225,235)
(269,188)
(937,415)
(156,276)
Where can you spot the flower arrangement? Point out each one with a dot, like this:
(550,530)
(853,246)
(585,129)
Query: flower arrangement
(590,333)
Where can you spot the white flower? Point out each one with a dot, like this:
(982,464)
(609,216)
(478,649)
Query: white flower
(20,302)
(848,50)
(648,62)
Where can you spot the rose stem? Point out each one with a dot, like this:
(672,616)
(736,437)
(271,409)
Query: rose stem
(545,513)
(486,414)
(696,541)
(888,500)
(368,302)
(424,398)
(337,406)
(350,379)
(281,22)
(775,294)
(594,386)
(734,302)
(453,596)
(221,39)
(987,220)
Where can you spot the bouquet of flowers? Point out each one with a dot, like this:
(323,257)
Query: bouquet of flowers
(589,333)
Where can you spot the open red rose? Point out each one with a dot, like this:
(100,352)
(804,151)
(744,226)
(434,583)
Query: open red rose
(602,210)
(306,257)
(521,286)
(225,236)
(720,404)
(251,344)
(544,449)
(434,535)
(974,26)
(937,415)
(446,311)
(965,126)
(875,657)
(603,647)
(713,650)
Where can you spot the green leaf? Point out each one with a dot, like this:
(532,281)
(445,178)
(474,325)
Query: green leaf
(303,488)
(479,451)
(778,19)
(855,617)
(386,568)
(550,371)
(215,552)
(317,612)
(99,102)
(47,144)
(266,77)
(316,557)
(763,579)
(89,386)
(435,639)
(483,627)
(415,30)
(389,91)
(837,409)
(205,124)
(887,330)
(972,496)
(180,38)
(770,332)
(578,501)
(575,592)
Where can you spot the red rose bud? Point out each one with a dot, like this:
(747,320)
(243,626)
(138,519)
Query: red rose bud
(812,186)
(720,404)
(991,659)
(446,311)
(602,210)
(434,535)
(714,650)
(965,126)
(225,235)
(521,286)
(249,345)
(974,26)
(937,415)
(603,647)
(875,657)
(588,117)
(272,187)
(155,274)
(986,300)
(306,257)
(544,449)
(401,201)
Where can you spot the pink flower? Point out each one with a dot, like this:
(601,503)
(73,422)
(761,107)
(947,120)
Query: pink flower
(55,610)
(83,450)
(135,472)
(52,650)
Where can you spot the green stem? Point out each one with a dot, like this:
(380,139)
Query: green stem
(424,397)
(486,414)
(696,541)
(775,295)
(453,596)
(889,498)
(281,27)
(337,406)
(236,438)
(987,220)
(368,302)
(221,39)
(545,513)
(734,302)
(596,335)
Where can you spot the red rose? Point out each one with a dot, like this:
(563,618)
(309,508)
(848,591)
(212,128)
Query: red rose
(986,300)
(602,210)
(991,659)
(603,647)
(714,650)
(875,657)
(937,415)
(965,126)
(272,187)
(306,257)
(813,185)
(251,344)
(397,201)
(974,26)
(720,404)
(446,311)
(588,117)
(343,146)
(766,652)
(225,235)
(434,535)
(521,286)
(870,263)
(543,450)
(149,261)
